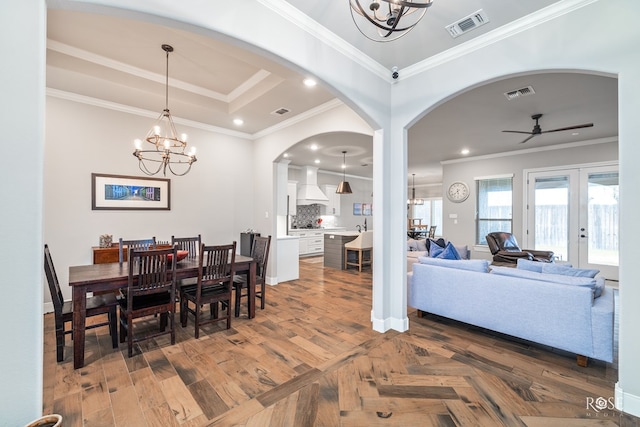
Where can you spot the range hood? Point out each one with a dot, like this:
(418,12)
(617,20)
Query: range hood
(308,191)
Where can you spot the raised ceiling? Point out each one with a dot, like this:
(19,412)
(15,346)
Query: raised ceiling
(111,60)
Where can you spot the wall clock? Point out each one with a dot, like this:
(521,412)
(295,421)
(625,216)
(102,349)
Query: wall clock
(458,192)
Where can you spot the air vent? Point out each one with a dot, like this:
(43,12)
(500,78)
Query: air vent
(280,111)
(468,23)
(518,93)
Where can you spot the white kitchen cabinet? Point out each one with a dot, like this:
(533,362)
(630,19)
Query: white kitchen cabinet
(333,208)
(311,241)
(292,192)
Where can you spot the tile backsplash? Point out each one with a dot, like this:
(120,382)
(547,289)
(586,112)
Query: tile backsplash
(305,215)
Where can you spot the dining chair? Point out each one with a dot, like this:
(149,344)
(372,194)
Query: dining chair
(151,290)
(260,253)
(432,231)
(63,310)
(215,279)
(192,245)
(144,244)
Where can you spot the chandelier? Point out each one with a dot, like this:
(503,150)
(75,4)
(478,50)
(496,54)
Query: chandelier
(344,187)
(413,200)
(168,150)
(380,20)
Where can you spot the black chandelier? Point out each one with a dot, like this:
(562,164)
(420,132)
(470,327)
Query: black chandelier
(168,149)
(380,20)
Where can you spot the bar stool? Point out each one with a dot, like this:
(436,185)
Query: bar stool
(363,247)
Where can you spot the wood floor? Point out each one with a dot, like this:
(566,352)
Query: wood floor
(310,358)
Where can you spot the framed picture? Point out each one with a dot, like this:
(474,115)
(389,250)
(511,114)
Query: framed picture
(366,209)
(119,192)
(357,208)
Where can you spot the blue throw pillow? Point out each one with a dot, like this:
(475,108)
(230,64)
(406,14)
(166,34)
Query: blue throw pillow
(568,271)
(435,250)
(449,252)
(525,264)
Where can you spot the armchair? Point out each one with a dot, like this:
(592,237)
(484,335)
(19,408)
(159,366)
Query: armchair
(504,248)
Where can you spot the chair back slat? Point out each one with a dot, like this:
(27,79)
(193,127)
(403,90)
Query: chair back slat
(191,244)
(260,253)
(151,272)
(52,280)
(217,263)
(140,244)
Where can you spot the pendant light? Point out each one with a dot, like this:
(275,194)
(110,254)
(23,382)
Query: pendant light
(413,200)
(344,187)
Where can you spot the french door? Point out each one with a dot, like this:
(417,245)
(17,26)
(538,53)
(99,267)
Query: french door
(574,212)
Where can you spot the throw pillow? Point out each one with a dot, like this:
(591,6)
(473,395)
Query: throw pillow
(478,265)
(412,245)
(440,242)
(449,252)
(568,271)
(422,244)
(435,250)
(525,264)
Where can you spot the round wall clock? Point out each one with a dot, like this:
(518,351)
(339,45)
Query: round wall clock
(458,192)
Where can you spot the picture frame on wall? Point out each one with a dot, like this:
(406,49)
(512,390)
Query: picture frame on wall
(366,209)
(357,208)
(122,192)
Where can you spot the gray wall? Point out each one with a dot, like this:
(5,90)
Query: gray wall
(463,232)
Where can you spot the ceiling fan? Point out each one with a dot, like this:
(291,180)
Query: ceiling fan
(537,130)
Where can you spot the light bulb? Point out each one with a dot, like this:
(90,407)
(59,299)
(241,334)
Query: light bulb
(167,144)
(184,137)
(156,130)
(138,144)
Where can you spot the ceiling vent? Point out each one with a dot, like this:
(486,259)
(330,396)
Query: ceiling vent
(518,93)
(467,23)
(280,111)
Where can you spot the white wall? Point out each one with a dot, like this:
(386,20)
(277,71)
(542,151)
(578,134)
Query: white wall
(463,233)
(215,199)
(22,121)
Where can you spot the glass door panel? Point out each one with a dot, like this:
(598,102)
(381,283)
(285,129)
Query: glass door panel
(551,215)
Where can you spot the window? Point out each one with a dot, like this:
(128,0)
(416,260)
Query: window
(430,213)
(494,210)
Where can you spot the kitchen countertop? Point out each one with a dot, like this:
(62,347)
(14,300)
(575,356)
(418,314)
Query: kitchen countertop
(346,233)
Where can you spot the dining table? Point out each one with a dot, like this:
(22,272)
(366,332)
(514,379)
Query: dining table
(113,276)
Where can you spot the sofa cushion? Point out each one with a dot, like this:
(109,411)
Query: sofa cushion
(479,265)
(525,264)
(463,251)
(412,245)
(421,245)
(568,270)
(597,285)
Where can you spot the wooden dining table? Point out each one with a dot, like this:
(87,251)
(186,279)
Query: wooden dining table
(114,276)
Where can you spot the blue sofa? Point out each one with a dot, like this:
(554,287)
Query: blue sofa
(574,314)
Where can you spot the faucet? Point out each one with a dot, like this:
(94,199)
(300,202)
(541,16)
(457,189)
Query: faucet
(359,228)
(365,224)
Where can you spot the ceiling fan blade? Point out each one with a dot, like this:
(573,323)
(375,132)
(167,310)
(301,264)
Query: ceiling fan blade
(518,131)
(532,135)
(586,125)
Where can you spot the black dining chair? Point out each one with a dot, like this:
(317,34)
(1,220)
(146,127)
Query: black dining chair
(63,310)
(192,245)
(215,282)
(140,244)
(151,290)
(260,253)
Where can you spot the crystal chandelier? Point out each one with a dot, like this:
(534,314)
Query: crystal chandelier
(168,149)
(380,20)
(413,200)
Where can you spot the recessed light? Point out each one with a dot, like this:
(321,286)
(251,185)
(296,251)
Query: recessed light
(238,122)
(285,155)
(464,151)
(313,147)
(316,161)
(575,133)
(310,82)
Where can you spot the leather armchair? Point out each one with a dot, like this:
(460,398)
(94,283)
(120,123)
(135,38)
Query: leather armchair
(504,248)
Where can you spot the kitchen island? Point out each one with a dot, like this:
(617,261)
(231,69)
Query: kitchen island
(334,247)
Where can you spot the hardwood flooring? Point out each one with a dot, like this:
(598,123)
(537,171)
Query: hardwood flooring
(310,358)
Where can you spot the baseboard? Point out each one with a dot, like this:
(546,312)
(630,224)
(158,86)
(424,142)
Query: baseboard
(383,325)
(627,402)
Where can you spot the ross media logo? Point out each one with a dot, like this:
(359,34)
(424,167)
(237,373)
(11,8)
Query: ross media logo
(600,407)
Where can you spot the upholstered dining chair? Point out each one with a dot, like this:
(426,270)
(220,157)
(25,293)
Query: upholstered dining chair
(63,310)
(504,248)
(144,244)
(151,290)
(260,253)
(363,248)
(215,278)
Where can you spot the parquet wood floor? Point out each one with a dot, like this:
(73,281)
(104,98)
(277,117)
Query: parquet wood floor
(311,359)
